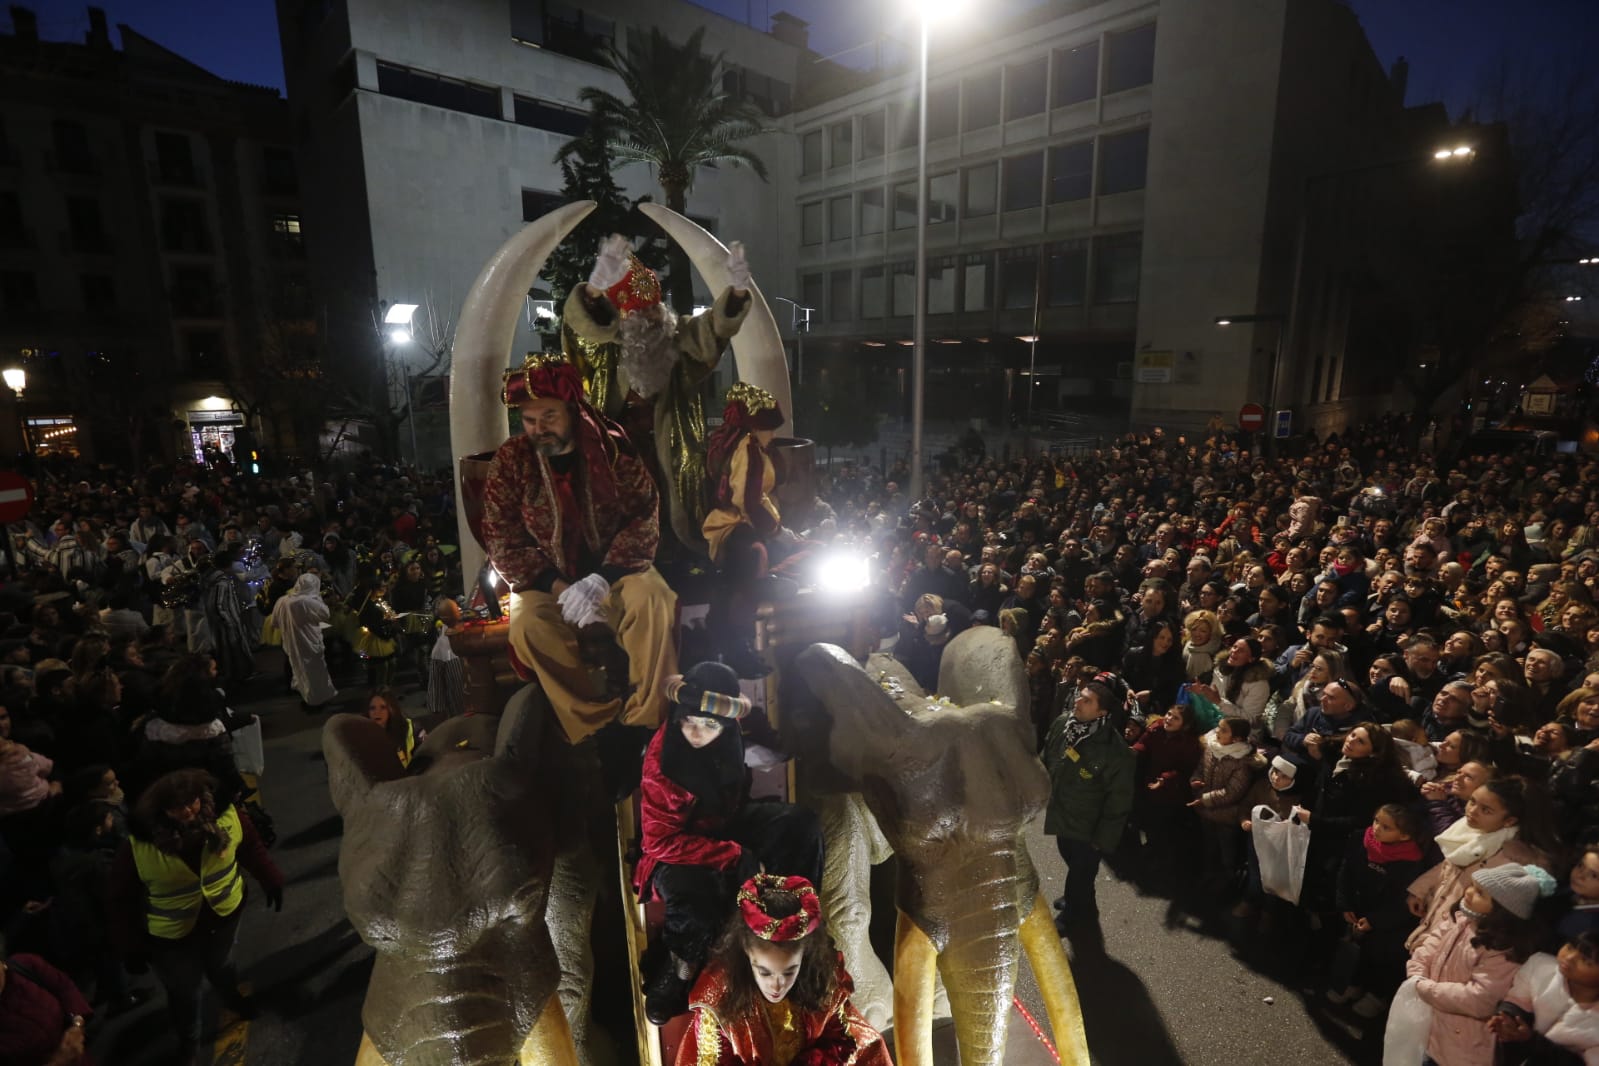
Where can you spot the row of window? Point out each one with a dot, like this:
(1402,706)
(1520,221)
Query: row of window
(193,291)
(184,227)
(1103,270)
(1062,174)
(1066,76)
(174,162)
(453,94)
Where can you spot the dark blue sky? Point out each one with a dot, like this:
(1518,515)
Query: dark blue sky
(1448,42)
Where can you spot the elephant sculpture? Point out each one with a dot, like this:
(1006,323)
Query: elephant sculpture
(448,879)
(951,783)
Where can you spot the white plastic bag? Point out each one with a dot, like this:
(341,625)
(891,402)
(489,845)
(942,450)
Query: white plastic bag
(1409,1021)
(249,753)
(1280,845)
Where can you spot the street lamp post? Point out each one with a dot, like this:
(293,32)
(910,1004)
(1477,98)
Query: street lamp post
(16,380)
(1276,370)
(397,331)
(919,324)
(800,322)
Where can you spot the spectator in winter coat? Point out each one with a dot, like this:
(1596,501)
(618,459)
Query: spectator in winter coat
(1226,771)
(1167,756)
(1372,895)
(42,1015)
(1339,710)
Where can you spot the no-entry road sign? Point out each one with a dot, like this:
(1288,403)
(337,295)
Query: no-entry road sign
(1251,418)
(16,496)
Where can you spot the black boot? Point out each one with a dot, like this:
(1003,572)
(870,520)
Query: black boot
(666,993)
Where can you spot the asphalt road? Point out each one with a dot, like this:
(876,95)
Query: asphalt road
(1159,986)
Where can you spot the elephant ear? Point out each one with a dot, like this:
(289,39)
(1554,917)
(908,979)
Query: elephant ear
(844,718)
(359,755)
(981,666)
(456,741)
(527,715)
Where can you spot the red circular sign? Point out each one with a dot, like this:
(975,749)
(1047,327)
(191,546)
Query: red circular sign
(16,496)
(1251,417)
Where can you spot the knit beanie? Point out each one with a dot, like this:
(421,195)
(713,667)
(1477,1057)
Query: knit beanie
(1284,767)
(1515,887)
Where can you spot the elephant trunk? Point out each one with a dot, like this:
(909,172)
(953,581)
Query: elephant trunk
(981,949)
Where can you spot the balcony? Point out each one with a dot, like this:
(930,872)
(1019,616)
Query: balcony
(88,242)
(74,163)
(176,174)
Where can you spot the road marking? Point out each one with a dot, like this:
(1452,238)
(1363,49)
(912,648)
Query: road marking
(233,1035)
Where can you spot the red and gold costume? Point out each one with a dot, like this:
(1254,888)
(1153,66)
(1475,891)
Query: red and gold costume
(674,827)
(744,474)
(565,517)
(778,1034)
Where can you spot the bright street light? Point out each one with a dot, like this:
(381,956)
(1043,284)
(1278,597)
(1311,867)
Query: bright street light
(400,336)
(16,378)
(1224,322)
(399,315)
(1462,151)
(1573,299)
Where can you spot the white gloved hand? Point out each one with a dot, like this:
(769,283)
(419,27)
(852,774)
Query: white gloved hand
(738,266)
(584,601)
(612,265)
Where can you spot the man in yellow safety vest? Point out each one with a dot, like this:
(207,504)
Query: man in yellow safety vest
(177,894)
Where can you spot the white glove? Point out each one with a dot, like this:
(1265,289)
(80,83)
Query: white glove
(738,266)
(612,265)
(584,601)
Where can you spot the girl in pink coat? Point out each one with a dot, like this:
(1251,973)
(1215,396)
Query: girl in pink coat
(1466,964)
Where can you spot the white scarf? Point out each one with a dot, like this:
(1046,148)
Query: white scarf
(1236,750)
(1463,845)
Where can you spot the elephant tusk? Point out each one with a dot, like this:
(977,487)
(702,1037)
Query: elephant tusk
(487,327)
(758,348)
(915,965)
(367,1054)
(1054,975)
(550,1042)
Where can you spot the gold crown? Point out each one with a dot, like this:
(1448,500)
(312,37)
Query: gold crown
(754,398)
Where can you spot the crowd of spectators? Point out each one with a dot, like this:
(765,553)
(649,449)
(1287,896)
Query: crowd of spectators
(130,616)
(1398,649)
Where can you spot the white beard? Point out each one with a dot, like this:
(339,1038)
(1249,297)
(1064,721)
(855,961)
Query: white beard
(648,351)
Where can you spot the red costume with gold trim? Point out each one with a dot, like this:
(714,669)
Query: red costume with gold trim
(670,831)
(778,1034)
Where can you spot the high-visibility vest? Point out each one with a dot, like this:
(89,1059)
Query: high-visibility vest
(176,892)
(406,752)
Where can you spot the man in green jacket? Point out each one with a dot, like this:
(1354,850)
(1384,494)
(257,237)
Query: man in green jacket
(1091,773)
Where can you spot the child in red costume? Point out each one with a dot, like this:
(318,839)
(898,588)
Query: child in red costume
(776,993)
(702,834)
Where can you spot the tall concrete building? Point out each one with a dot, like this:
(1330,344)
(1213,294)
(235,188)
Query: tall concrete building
(150,252)
(1106,180)
(427,134)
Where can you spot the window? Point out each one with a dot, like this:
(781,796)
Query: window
(204,355)
(19,291)
(982,190)
(943,190)
(905,205)
(194,292)
(85,226)
(1130,58)
(871,210)
(13,234)
(1068,273)
(904,275)
(71,142)
(812,288)
(452,94)
(905,114)
(978,284)
(811,223)
(872,292)
(278,174)
(174,159)
(1123,160)
(872,135)
(183,226)
(539,115)
(1018,278)
(766,93)
(840,211)
(536,203)
(843,149)
(1116,267)
(941,275)
(1024,181)
(840,296)
(1076,74)
(561,28)
(981,101)
(1025,86)
(811,152)
(943,112)
(99,293)
(1071,172)
(286,231)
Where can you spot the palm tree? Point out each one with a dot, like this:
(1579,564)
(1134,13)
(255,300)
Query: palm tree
(679,119)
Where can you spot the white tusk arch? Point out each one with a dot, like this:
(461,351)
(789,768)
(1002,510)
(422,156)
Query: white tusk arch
(478,422)
(758,348)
